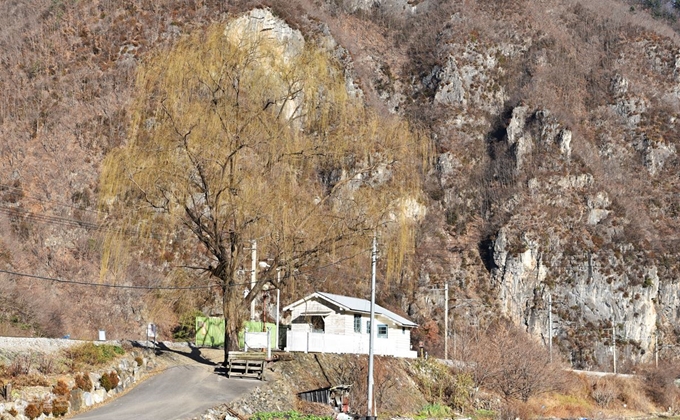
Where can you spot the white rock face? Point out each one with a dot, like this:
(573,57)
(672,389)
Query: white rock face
(263,25)
(520,277)
(598,205)
(518,136)
(619,85)
(451,90)
(630,109)
(411,209)
(447,164)
(656,155)
(564,142)
(277,45)
(466,78)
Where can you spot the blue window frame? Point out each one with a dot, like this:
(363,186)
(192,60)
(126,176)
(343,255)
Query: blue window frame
(382,331)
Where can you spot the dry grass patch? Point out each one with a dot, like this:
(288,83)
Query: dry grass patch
(619,392)
(563,406)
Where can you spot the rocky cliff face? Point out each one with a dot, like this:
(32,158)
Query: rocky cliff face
(554,171)
(552,166)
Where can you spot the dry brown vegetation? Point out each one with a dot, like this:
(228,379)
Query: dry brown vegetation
(70,98)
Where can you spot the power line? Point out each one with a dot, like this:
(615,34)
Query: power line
(121,286)
(115,286)
(64,221)
(44,200)
(68,222)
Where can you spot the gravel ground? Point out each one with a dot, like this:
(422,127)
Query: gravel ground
(12,346)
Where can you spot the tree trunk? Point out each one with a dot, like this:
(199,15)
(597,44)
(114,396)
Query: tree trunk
(227,339)
(225,314)
(232,306)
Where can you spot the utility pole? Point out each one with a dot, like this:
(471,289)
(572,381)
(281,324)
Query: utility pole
(446,321)
(370,415)
(550,340)
(253,278)
(656,348)
(614,343)
(278,299)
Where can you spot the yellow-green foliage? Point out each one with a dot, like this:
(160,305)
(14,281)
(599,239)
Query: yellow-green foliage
(109,380)
(440,385)
(89,354)
(434,379)
(227,133)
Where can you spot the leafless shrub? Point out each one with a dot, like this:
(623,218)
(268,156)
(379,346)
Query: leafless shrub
(21,365)
(628,391)
(46,364)
(509,362)
(604,392)
(354,372)
(660,385)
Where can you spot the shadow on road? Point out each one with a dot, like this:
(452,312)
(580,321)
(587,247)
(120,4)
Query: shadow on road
(194,352)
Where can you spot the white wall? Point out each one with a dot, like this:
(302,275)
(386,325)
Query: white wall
(336,343)
(336,324)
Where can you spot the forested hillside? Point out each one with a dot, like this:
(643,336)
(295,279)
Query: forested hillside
(520,152)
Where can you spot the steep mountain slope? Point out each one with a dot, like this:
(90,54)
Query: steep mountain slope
(555,166)
(570,118)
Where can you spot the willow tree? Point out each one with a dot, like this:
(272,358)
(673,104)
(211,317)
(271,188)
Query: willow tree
(232,140)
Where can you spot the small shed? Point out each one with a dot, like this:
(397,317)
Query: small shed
(329,323)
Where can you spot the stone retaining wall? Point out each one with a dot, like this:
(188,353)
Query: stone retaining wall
(127,368)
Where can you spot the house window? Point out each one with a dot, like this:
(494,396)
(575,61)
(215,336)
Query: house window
(403,330)
(357,323)
(382,331)
(368,326)
(317,324)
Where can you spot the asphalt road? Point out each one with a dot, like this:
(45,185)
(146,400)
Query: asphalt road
(177,393)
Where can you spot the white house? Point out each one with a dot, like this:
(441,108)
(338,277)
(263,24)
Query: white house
(328,323)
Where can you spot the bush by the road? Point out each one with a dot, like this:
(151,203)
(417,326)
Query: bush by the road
(90,354)
(109,380)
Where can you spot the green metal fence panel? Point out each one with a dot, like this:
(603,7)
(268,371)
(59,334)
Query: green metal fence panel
(209,331)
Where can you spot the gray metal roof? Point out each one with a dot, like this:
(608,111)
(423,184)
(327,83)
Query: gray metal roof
(353,304)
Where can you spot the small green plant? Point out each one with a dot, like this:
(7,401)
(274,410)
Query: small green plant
(109,380)
(460,394)
(83,382)
(287,415)
(33,410)
(435,410)
(59,408)
(485,414)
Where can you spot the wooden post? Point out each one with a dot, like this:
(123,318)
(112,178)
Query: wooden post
(446,321)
